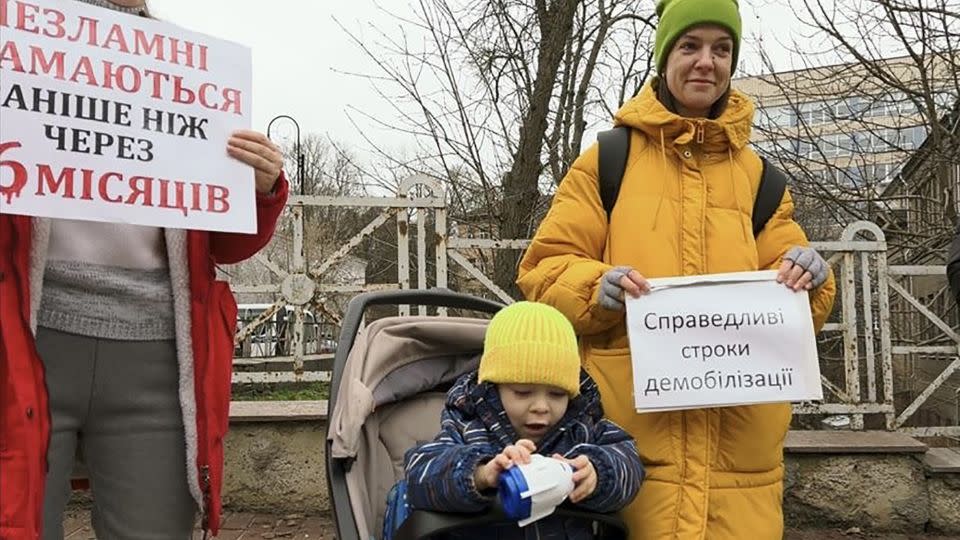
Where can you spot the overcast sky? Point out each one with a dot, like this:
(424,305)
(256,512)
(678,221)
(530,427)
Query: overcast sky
(298,49)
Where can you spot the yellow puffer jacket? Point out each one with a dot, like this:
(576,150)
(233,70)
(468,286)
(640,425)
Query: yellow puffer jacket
(684,209)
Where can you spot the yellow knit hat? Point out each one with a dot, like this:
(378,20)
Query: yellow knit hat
(531,343)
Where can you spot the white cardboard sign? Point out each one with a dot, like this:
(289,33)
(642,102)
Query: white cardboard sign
(721,340)
(111,117)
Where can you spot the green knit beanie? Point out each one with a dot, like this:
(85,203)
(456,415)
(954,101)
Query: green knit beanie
(677,16)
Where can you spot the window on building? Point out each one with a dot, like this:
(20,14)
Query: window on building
(855,106)
(827,176)
(878,107)
(777,116)
(851,176)
(766,148)
(906,105)
(775,146)
(860,141)
(945,100)
(814,113)
(828,145)
(844,144)
(834,145)
(878,172)
(871,174)
(917,136)
(877,140)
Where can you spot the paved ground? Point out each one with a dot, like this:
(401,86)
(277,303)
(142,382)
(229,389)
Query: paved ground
(236,525)
(247,526)
(856,535)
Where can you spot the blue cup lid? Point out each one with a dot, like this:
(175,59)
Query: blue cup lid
(512,484)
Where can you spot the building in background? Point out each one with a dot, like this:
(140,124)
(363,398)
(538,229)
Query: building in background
(877,141)
(843,132)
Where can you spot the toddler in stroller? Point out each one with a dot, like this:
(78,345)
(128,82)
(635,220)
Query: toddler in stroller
(529,395)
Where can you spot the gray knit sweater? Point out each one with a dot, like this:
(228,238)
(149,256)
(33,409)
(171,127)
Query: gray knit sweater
(107,280)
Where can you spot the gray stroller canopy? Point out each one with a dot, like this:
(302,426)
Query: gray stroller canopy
(386,401)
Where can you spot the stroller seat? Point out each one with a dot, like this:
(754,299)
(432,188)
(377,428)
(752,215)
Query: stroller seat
(390,432)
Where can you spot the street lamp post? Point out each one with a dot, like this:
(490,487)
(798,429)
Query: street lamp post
(298,288)
(297,148)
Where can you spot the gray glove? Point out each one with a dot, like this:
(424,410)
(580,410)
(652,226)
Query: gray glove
(811,261)
(611,293)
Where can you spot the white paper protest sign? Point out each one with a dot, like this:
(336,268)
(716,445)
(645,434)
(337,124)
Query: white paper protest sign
(106,116)
(721,340)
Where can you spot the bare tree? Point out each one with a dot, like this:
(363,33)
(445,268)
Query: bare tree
(874,137)
(496,95)
(846,131)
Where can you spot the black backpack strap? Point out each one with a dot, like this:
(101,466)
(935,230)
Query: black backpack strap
(614,151)
(773,183)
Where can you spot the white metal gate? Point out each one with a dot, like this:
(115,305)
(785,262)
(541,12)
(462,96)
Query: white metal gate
(861,326)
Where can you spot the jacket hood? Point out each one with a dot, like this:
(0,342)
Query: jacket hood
(730,131)
(482,401)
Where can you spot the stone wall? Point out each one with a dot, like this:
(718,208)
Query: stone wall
(276,467)
(279,467)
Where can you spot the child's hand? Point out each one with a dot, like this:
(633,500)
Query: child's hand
(487,475)
(584,477)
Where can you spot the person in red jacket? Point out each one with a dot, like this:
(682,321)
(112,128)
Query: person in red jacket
(117,340)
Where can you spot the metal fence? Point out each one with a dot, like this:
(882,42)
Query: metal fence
(888,335)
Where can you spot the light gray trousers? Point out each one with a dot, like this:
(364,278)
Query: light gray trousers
(119,402)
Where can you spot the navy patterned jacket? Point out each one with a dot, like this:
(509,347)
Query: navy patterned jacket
(475,428)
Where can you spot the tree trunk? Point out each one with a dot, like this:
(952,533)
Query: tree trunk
(520,185)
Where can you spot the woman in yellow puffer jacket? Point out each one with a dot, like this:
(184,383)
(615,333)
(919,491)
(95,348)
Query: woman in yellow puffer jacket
(684,208)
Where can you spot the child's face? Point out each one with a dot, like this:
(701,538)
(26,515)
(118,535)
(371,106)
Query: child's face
(533,408)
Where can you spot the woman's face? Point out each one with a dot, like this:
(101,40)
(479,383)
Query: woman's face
(698,69)
(128,3)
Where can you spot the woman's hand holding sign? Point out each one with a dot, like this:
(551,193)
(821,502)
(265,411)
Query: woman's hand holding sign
(256,150)
(618,282)
(803,269)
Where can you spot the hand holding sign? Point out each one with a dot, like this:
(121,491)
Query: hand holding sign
(256,150)
(803,269)
(618,283)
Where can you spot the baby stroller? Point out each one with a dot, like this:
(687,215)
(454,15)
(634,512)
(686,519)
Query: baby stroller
(386,394)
